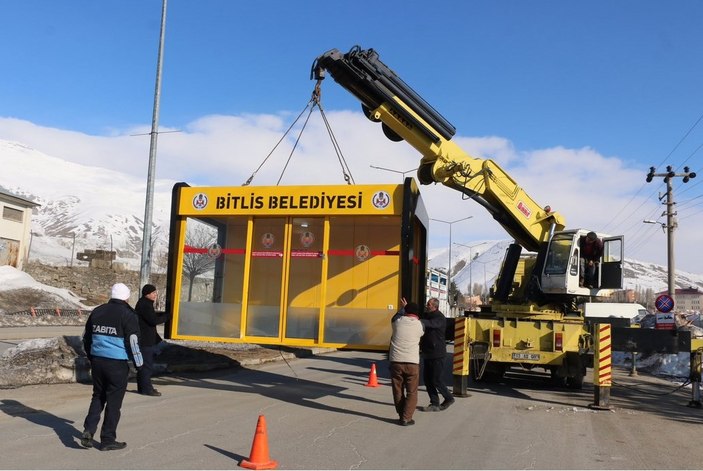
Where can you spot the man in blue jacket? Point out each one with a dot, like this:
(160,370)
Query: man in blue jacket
(434,350)
(111,338)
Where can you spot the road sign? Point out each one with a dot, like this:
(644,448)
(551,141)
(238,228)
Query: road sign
(664,318)
(664,303)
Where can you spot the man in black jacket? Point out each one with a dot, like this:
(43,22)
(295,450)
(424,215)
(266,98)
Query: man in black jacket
(149,338)
(434,351)
(111,338)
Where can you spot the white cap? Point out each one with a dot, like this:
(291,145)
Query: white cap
(120,291)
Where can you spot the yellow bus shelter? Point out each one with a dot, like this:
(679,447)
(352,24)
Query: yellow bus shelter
(294,265)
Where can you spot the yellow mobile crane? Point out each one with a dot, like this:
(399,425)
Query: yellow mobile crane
(532,318)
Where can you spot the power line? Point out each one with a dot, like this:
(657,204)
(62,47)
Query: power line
(616,216)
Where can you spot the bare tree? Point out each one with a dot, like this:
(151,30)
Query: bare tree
(199,236)
(160,260)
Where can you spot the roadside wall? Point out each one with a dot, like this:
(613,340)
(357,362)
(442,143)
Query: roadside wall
(92,284)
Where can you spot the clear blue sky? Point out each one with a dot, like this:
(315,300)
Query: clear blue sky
(620,77)
(623,77)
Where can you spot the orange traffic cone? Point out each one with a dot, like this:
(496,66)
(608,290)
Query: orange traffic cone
(373,380)
(259,456)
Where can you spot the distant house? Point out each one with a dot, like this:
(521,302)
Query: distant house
(437,288)
(687,299)
(16,216)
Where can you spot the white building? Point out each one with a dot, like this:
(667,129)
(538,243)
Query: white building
(437,288)
(15,235)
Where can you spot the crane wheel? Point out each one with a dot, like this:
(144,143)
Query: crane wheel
(574,382)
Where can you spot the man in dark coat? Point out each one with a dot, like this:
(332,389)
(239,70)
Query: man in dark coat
(434,350)
(111,338)
(591,252)
(149,339)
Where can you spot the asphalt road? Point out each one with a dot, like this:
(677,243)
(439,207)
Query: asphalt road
(320,415)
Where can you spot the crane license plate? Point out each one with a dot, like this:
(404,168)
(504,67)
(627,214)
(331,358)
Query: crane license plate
(526,356)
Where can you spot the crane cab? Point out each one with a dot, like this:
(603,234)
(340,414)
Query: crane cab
(566,267)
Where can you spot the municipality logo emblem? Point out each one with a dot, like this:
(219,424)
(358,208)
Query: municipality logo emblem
(200,201)
(381,199)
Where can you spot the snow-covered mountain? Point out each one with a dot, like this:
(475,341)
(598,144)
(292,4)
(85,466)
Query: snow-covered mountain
(82,207)
(85,207)
(480,264)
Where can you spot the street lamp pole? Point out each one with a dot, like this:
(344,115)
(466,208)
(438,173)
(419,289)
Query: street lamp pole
(449,262)
(145,266)
(394,171)
(471,272)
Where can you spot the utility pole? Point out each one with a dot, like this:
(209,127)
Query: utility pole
(671,223)
(145,267)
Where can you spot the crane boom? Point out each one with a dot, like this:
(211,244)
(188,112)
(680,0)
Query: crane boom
(404,115)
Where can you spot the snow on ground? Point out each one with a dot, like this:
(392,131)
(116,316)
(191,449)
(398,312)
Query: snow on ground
(12,278)
(31,345)
(676,367)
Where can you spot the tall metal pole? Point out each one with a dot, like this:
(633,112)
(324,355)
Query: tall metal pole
(145,267)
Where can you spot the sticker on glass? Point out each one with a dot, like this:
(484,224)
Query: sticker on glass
(362,252)
(267,240)
(307,238)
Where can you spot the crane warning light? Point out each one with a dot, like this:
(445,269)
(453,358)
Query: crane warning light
(496,338)
(559,341)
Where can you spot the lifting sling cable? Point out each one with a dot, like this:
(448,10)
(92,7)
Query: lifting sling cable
(290,156)
(276,146)
(338,150)
(315,101)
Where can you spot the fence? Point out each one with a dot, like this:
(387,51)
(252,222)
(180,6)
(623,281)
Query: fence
(39,312)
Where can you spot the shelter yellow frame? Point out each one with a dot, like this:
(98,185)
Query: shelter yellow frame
(294,265)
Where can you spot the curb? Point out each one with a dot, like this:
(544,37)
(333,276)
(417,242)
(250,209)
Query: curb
(62,360)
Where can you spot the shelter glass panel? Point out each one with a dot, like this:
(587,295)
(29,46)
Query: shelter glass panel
(266,277)
(305,278)
(206,307)
(362,280)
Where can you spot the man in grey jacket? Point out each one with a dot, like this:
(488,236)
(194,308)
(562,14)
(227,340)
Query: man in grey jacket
(404,355)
